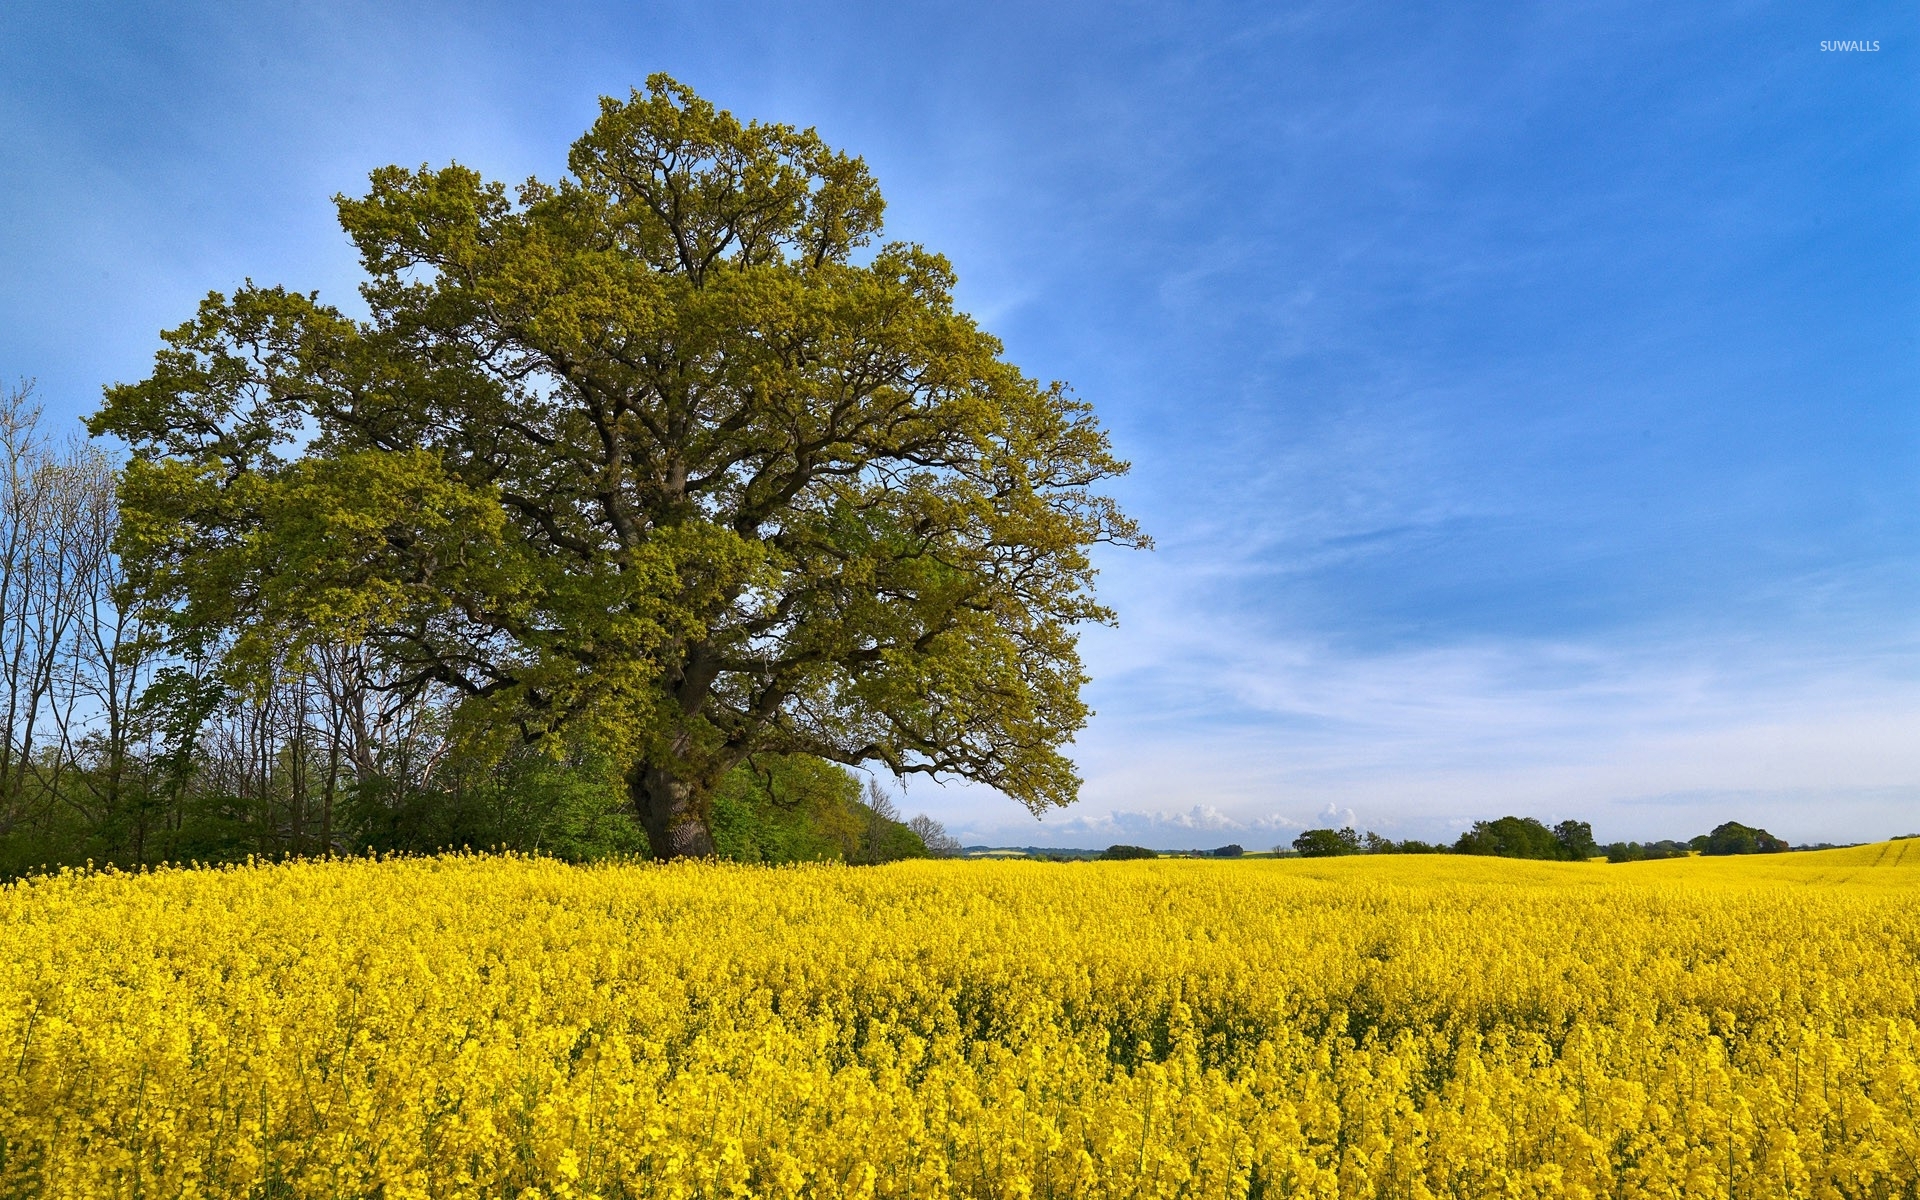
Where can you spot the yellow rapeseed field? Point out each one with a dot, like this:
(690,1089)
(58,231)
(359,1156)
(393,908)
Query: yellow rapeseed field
(1400,1027)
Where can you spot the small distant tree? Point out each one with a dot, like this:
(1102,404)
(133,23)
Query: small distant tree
(1524,837)
(1620,852)
(1510,837)
(1231,850)
(1125,852)
(1327,843)
(1735,838)
(1576,841)
(885,837)
(940,843)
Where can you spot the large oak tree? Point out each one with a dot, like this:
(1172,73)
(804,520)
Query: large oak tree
(663,450)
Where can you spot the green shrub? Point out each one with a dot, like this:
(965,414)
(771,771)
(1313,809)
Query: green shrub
(1327,843)
(795,808)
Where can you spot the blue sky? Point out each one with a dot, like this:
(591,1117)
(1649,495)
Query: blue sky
(1525,400)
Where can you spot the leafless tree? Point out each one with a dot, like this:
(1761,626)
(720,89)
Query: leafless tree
(940,843)
(64,680)
(87,745)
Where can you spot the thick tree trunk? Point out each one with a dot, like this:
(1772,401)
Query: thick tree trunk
(666,805)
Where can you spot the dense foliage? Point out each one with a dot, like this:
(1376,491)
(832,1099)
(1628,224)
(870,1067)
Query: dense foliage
(664,456)
(1524,837)
(1360,1027)
(1328,843)
(782,809)
(1619,852)
(1735,838)
(111,751)
(1332,843)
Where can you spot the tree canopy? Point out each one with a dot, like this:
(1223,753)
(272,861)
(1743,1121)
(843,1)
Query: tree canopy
(1732,837)
(1525,837)
(1328,843)
(664,454)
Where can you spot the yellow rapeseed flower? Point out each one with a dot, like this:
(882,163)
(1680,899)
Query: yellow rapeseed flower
(1384,1026)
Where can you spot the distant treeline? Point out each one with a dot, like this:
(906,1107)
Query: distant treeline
(1508,837)
(1524,837)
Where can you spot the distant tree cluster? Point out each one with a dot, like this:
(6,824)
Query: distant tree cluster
(794,808)
(1619,852)
(1735,838)
(1525,837)
(1328,843)
(1331,843)
(1729,838)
